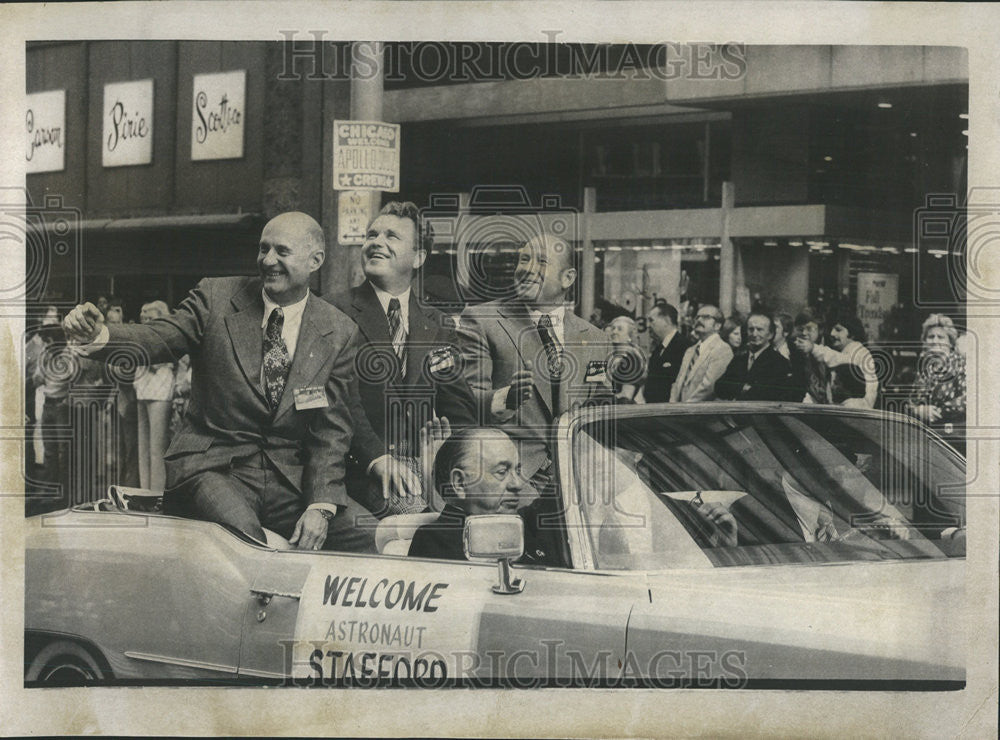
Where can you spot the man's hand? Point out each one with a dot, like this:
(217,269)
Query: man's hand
(803,345)
(397,477)
(432,436)
(826,530)
(310,530)
(724,522)
(83,323)
(519,390)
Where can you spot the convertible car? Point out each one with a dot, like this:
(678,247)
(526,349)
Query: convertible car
(707,545)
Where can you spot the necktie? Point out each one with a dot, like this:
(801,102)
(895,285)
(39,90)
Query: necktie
(749,361)
(553,356)
(276,359)
(398,333)
(690,369)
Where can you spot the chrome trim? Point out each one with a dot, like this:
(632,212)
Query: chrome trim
(249,672)
(180,662)
(270,593)
(579,543)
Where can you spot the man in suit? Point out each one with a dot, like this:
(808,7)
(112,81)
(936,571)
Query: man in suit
(667,353)
(408,367)
(476,472)
(705,362)
(528,358)
(269,423)
(759,372)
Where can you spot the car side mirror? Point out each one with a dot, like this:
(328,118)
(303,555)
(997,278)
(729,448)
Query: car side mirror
(498,537)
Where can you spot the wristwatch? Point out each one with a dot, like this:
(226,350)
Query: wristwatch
(327,514)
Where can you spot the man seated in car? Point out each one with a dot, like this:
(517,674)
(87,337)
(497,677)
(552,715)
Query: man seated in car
(478,471)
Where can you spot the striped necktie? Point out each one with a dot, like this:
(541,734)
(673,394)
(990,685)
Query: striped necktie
(398,333)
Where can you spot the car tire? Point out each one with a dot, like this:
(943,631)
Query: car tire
(64,663)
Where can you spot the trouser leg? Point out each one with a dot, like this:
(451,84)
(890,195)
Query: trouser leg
(142,414)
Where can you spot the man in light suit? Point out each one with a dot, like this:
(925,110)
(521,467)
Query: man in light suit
(759,373)
(667,354)
(269,423)
(705,362)
(529,358)
(408,367)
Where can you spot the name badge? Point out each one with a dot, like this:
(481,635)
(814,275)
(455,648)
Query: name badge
(597,372)
(313,397)
(442,363)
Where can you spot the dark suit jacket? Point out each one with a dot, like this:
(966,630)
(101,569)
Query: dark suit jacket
(769,379)
(219,325)
(398,407)
(664,365)
(497,338)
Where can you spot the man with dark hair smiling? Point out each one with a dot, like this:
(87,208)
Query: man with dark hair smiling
(269,424)
(417,338)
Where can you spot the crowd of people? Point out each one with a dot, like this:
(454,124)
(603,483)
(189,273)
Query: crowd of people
(772,356)
(266,408)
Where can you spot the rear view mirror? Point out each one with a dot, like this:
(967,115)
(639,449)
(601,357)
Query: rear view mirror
(498,537)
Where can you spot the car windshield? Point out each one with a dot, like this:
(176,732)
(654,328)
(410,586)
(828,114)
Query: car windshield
(761,487)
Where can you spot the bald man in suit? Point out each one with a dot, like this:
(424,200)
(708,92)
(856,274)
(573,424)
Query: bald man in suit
(528,359)
(270,421)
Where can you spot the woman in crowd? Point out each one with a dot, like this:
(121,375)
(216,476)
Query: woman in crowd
(851,380)
(732,333)
(938,397)
(628,365)
(153,392)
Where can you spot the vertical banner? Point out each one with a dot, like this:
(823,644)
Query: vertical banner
(45,127)
(127,137)
(366,156)
(878,292)
(217,113)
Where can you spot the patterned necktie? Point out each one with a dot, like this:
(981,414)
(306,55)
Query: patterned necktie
(690,368)
(554,361)
(276,359)
(398,333)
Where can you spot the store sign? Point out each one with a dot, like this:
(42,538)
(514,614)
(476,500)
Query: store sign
(217,115)
(366,156)
(45,128)
(877,293)
(128,124)
(352,216)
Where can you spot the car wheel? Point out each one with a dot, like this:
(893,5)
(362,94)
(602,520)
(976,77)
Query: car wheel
(64,663)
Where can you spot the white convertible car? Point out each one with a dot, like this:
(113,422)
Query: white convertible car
(833,557)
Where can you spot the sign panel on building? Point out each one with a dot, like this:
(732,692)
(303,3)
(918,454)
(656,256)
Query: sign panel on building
(366,156)
(877,293)
(127,137)
(352,216)
(217,115)
(45,128)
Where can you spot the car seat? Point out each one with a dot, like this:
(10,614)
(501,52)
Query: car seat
(394,533)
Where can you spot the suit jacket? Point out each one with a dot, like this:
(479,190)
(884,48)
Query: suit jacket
(498,337)
(398,407)
(769,379)
(219,325)
(696,380)
(664,365)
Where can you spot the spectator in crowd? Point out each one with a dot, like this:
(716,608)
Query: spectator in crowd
(274,400)
(528,358)
(627,366)
(938,397)
(126,452)
(153,387)
(34,395)
(394,323)
(851,380)
(181,395)
(809,374)
(705,362)
(667,353)
(115,313)
(103,304)
(478,471)
(757,373)
(732,333)
(783,327)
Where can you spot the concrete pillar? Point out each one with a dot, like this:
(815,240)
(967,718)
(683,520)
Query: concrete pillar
(587,277)
(358,100)
(727,258)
